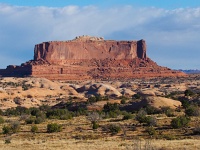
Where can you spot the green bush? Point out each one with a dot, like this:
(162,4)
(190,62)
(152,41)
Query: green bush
(127,116)
(30,120)
(167,111)
(185,103)
(53,127)
(7,140)
(151,130)
(15,126)
(110,107)
(39,120)
(44,108)
(196,130)
(192,111)
(189,92)
(1,120)
(111,114)
(16,111)
(96,98)
(35,111)
(150,121)
(123,101)
(62,114)
(136,96)
(141,116)
(152,110)
(179,122)
(114,129)
(6,129)
(34,129)
(95,125)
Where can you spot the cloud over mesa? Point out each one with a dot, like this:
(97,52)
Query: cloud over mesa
(172,36)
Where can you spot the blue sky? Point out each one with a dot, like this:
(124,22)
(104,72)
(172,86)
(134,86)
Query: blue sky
(171,28)
(169,4)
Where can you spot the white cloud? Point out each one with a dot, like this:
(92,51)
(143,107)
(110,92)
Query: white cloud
(170,34)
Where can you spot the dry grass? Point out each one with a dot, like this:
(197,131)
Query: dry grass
(77,134)
(99,144)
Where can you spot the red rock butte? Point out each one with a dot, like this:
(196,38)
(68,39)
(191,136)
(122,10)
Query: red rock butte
(87,57)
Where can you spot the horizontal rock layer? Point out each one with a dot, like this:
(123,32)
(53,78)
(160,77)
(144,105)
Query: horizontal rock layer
(90,58)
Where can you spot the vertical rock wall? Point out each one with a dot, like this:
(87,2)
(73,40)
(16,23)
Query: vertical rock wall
(54,52)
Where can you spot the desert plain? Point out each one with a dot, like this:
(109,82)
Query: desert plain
(100,114)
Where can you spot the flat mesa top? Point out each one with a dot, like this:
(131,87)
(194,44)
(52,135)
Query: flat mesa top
(88,38)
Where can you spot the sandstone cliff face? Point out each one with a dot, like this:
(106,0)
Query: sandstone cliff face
(55,52)
(88,57)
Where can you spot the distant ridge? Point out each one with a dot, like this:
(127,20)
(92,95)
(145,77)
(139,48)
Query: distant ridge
(190,71)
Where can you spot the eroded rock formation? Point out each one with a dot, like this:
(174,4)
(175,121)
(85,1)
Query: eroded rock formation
(88,57)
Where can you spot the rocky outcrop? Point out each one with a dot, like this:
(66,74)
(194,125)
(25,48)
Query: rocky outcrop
(88,57)
(89,48)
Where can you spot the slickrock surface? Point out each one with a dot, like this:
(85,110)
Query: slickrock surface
(88,57)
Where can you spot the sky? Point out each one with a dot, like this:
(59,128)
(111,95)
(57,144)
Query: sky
(171,28)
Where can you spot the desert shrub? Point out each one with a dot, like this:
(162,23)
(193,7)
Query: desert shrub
(196,130)
(95,125)
(15,126)
(35,111)
(152,110)
(106,97)
(110,107)
(141,116)
(127,116)
(7,140)
(136,96)
(44,108)
(26,86)
(16,111)
(34,129)
(151,130)
(114,129)
(10,112)
(173,95)
(1,120)
(169,137)
(1,112)
(24,117)
(22,110)
(96,98)
(111,110)
(66,116)
(185,103)
(39,120)
(6,129)
(59,114)
(189,92)
(111,114)
(30,120)
(81,111)
(53,127)
(94,118)
(92,99)
(123,101)
(180,121)
(150,121)
(167,111)
(192,111)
